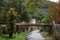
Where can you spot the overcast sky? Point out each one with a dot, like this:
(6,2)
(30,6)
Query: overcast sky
(56,1)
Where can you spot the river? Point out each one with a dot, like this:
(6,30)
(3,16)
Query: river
(35,35)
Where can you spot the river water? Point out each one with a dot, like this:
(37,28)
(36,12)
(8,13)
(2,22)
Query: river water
(35,35)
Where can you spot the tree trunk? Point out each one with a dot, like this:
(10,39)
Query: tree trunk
(56,31)
(10,34)
(11,30)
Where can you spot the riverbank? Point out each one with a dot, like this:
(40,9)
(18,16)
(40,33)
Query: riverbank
(47,37)
(20,36)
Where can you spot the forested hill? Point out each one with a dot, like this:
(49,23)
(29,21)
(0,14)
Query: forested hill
(31,8)
(5,4)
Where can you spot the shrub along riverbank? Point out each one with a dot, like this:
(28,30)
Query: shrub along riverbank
(20,36)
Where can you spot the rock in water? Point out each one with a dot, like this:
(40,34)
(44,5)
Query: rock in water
(35,35)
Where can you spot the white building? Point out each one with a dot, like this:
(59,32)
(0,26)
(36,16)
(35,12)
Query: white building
(33,21)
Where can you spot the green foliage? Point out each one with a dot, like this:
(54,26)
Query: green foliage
(26,10)
(11,20)
(0,29)
(30,6)
(45,20)
(12,12)
(37,8)
(25,17)
(0,17)
(20,36)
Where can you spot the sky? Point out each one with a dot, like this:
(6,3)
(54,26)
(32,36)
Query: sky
(56,1)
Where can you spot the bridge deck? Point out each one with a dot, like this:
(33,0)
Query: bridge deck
(28,24)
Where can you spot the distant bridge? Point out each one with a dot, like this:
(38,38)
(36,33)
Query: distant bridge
(29,24)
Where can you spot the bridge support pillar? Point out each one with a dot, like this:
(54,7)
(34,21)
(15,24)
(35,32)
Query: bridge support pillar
(56,32)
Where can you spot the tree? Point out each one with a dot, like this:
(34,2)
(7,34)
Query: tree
(1,5)
(47,20)
(12,17)
(54,12)
(25,16)
(0,23)
(0,17)
(37,8)
(32,7)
